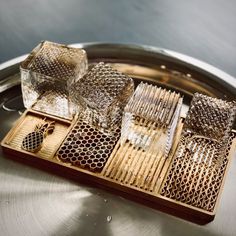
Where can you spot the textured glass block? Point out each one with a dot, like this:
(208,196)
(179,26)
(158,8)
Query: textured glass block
(101,96)
(210,117)
(208,123)
(150,118)
(47,76)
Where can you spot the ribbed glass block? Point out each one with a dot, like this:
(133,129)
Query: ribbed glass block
(150,118)
(48,75)
(101,95)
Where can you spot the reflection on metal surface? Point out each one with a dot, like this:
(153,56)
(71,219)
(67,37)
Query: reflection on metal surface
(205,76)
(9,82)
(13,104)
(33,202)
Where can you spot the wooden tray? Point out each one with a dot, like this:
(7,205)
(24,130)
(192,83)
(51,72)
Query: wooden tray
(151,193)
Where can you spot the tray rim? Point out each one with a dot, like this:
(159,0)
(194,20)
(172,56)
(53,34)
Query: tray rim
(220,75)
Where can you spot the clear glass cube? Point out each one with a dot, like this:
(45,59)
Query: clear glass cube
(150,119)
(48,75)
(101,95)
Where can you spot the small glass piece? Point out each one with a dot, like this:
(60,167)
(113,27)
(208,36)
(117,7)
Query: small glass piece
(47,76)
(101,95)
(150,118)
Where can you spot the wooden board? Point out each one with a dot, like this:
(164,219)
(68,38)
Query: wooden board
(116,175)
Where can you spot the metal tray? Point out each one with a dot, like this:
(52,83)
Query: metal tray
(27,194)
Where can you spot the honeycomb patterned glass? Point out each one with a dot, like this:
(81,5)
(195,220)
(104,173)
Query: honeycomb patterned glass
(150,118)
(47,76)
(87,147)
(101,96)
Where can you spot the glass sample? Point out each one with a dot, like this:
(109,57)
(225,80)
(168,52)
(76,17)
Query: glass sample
(198,167)
(150,118)
(210,117)
(101,96)
(209,120)
(47,76)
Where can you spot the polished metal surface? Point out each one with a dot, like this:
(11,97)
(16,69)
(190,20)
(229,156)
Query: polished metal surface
(202,29)
(34,202)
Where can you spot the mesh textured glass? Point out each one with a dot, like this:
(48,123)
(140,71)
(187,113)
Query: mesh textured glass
(210,120)
(101,96)
(210,117)
(47,76)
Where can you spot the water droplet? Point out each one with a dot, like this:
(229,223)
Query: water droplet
(105,200)
(87,214)
(109,219)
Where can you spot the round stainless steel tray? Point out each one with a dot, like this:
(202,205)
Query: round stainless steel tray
(33,202)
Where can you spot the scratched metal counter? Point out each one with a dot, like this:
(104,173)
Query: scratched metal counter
(34,202)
